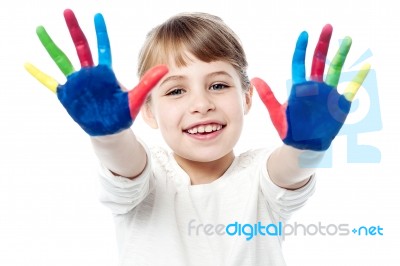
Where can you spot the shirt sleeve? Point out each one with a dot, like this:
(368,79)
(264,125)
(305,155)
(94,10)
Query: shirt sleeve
(121,194)
(284,202)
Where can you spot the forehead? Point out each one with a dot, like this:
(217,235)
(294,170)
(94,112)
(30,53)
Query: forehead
(196,67)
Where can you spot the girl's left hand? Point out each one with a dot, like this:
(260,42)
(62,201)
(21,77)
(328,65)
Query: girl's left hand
(314,113)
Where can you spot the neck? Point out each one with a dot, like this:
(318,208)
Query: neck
(205,172)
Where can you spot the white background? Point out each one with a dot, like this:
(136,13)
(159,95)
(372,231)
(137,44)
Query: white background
(49,212)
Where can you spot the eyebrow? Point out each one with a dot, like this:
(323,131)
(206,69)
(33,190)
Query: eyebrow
(171,78)
(210,75)
(219,73)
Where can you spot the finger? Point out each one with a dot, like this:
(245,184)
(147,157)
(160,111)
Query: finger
(273,106)
(103,43)
(58,56)
(321,50)
(43,78)
(138,95)
(79,39)
(298,65)
(355,84)
(266,94)
(335,69)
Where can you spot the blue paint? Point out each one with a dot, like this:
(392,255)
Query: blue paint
(94,99)
(315,114)
(103,42)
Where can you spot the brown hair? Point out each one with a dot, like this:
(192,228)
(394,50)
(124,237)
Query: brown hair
(205,36)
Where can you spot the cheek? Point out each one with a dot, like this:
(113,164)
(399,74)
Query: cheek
(235,105)
(167,115)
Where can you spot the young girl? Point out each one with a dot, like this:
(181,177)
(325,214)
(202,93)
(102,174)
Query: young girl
(199,203)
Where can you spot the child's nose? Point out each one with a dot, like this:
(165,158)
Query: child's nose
(201,102)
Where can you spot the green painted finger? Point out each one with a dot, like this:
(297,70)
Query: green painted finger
(58,56)
(335,69)
(355,84)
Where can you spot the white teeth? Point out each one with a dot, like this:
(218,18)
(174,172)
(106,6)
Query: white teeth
(204,128)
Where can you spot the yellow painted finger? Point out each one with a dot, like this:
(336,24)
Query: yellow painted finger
(355,84)
(43,78)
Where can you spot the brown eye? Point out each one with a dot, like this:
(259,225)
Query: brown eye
(218,86)
(175,92)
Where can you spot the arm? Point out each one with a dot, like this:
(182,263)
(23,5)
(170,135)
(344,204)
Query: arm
(95,100)
(121,153)
(285,169)
(314,113)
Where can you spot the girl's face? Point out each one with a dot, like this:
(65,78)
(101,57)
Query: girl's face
(199,109)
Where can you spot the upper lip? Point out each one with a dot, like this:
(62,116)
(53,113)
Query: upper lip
(203,123)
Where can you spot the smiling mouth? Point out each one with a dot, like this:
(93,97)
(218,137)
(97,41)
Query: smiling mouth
(204,129)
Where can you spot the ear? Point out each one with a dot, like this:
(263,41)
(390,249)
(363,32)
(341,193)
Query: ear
(148,115)
(248,99)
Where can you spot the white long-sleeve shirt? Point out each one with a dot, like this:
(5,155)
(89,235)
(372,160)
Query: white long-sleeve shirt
(161,219)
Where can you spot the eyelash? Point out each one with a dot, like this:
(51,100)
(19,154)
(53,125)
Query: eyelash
(174,92)
(179,91)
(219,84)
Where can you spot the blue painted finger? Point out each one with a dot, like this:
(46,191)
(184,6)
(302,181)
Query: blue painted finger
(103,42)
(298,62)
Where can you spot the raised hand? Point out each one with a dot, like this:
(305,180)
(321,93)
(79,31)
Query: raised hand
(314,113)
(92,96)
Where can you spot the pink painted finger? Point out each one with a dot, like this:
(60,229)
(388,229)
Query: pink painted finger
(79,39)
(138,95)
(321,50)
(276,111)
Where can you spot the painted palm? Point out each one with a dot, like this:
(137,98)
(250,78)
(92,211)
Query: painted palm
(92,95)
(314,112)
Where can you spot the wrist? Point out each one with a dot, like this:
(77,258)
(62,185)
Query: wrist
(111,138)
(121,153)
(304,158)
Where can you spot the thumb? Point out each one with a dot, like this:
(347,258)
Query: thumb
(138,95)
(275,109)
(266,95)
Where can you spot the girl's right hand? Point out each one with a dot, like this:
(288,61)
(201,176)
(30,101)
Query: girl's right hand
(92,95)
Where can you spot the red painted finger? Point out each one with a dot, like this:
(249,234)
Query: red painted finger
(79,39)
(276,111)
(321,50)
(138,95)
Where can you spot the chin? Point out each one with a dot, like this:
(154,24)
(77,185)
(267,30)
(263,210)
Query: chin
(204,157)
